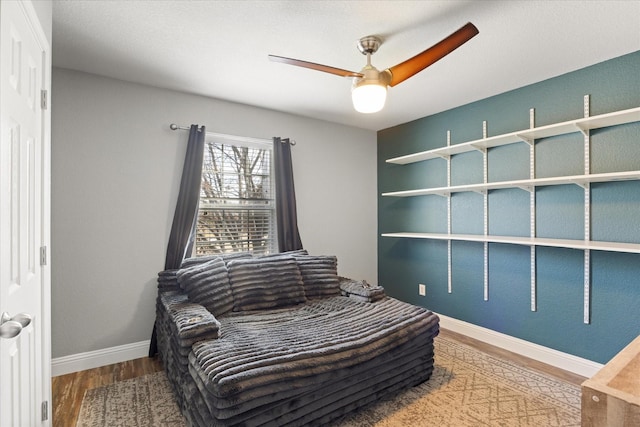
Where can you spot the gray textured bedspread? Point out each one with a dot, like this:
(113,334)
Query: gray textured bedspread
(264,358)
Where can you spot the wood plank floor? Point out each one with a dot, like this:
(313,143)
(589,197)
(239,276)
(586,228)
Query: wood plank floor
(68,390)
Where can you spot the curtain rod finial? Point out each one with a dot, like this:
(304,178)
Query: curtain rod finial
(173,126)
(288,141)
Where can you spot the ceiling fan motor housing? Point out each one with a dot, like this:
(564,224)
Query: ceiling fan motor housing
(371,75)
(369,44)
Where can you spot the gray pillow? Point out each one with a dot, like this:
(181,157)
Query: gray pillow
(319,275)
(208,284)
(189,262)
(266,282)
(287,253)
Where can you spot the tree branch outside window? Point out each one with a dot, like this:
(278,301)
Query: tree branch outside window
(236,211)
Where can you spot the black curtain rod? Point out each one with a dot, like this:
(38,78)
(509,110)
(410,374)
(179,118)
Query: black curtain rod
(174,126)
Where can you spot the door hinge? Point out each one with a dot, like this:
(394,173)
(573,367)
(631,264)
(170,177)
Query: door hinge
(43,99)
(43,255)
(45,410)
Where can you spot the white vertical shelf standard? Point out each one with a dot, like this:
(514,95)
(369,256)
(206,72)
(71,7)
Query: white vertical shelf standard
(532,211)
(449,269)
(485,196)
(587,215)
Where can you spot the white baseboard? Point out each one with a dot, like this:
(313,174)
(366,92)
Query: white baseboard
(95,359)
(568,362)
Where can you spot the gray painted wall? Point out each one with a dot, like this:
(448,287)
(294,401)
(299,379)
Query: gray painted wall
(116,167)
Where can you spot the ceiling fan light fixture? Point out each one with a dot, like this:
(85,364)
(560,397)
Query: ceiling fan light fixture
(369,93)
(368,97)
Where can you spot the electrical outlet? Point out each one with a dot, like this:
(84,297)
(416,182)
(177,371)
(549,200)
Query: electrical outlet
(422,289)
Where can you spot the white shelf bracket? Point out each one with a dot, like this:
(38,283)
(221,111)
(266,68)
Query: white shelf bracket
(529,141)
(583,184)
(480,148)
(527,188)
(583,129)
(444,156)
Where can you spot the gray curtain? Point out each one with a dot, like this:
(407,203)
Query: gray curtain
(186,215)
(286,213)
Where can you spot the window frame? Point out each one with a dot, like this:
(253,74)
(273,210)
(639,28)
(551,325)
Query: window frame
(236,205)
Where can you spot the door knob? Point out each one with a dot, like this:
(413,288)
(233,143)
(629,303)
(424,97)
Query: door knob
(11,327)
(23,318)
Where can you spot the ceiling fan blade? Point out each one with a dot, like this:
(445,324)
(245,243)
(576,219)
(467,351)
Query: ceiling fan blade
(412,66)
(314,66)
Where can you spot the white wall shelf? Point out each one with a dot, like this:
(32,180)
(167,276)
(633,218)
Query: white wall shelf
(526,184)
(526,241)
(527,135)
(583,125)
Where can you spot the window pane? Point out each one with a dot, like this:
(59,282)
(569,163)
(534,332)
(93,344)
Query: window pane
(236,211)
(232,172)
(223,230)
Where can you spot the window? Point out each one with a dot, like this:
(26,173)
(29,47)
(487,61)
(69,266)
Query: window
(237,207)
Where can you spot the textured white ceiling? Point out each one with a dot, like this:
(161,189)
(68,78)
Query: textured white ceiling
(219,48)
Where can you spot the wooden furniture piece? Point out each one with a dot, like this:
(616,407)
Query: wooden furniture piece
(611,397)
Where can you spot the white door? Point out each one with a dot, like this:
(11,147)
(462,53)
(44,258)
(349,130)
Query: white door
(24,184)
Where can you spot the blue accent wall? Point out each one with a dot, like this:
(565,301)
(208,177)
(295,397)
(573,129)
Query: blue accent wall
(558,322)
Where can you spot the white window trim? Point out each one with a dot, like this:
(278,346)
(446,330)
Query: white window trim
(256,143)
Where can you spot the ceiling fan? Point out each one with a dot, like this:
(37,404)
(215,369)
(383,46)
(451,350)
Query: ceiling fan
(369,90)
